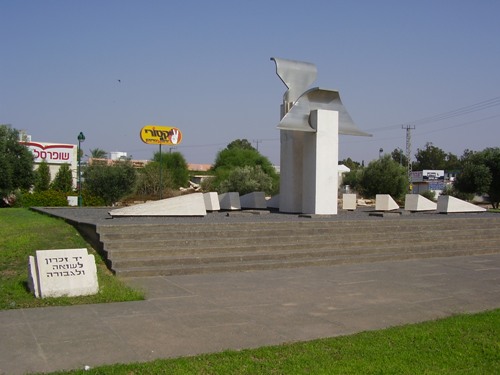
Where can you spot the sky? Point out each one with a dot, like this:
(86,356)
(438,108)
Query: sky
(107,68)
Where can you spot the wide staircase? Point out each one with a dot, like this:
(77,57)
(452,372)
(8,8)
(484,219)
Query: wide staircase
(152,249)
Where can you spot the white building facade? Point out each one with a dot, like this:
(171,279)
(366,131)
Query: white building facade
(55,155)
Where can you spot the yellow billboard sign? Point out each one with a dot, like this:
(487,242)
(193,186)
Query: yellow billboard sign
(161,135)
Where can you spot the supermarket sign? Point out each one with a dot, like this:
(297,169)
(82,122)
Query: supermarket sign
(52,153)
(161,135)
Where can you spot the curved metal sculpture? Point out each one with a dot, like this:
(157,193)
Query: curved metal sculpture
(298,103)
(297,118)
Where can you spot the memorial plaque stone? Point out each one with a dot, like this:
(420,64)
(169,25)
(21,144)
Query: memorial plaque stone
(65,272)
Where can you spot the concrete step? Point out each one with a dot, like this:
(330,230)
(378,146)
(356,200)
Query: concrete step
(155,250)
(238,257)
(227,240)
(263,265)
(148,250)
(158,232)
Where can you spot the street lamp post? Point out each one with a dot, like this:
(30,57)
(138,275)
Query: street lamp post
(81,138)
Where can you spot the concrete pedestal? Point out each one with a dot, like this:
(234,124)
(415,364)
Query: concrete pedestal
(309,166)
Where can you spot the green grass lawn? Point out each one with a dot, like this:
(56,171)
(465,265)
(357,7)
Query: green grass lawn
(22,232)
(463,344)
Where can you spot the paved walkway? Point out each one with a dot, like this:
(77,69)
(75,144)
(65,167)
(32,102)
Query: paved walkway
(188,315)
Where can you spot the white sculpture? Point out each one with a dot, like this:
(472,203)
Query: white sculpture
(310,124)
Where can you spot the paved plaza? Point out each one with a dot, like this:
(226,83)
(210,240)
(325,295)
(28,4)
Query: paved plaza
(192,314)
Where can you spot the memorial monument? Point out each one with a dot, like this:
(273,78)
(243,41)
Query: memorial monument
(311,121)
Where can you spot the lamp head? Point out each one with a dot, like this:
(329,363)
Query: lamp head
(81,137)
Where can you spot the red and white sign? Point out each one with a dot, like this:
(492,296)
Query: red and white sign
(52,153)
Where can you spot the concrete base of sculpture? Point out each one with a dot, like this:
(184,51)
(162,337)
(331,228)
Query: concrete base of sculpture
(65,272)
(211,201)
(320,164)
(274,202)
(229,201)
(255,201)
(184,205)
(416,202)
(449,204)
(349,202)
(384,202)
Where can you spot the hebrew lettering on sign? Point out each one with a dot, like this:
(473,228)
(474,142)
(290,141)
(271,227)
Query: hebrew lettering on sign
(68,272)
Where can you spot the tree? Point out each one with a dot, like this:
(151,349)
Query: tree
(431,157)
(239,154)
(148,182)
(241,144)
(98,153)
(110,182)
(353,179)
(399,157)
(452,162)
(63,181)
(349,163)
(16,163)
(481,174)
(176,167)
(42,177)
(384,176)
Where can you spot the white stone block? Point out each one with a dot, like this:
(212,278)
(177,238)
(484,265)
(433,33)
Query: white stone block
(230,201)
(65,272)
(449,204)
(72,201)
(255,200)
(211,201)
(349,202)
(384,202)
(184,205)
(417,202)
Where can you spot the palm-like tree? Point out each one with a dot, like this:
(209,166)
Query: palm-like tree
(98,153)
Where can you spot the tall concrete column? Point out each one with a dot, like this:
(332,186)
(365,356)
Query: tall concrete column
(291,175)
(320,164)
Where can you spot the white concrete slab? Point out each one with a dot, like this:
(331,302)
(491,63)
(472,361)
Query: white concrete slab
(384,202)
(64,272)
(211,201)
(255,200)
(230,201)
(417,202)
(349,202)
(184,205)
(449,204)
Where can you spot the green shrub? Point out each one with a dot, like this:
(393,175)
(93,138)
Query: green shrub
(111,183)
(450,190)
(384,176)
(246,180)
(429,194)
(47,198)
(89,200)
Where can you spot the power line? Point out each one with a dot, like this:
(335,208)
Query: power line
(354,141)
(480,106)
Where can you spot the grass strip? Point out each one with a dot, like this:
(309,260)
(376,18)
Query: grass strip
(22,232)
(462,344)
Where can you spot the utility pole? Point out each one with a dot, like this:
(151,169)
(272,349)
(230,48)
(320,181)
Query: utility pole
(257,141)
(408,153)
